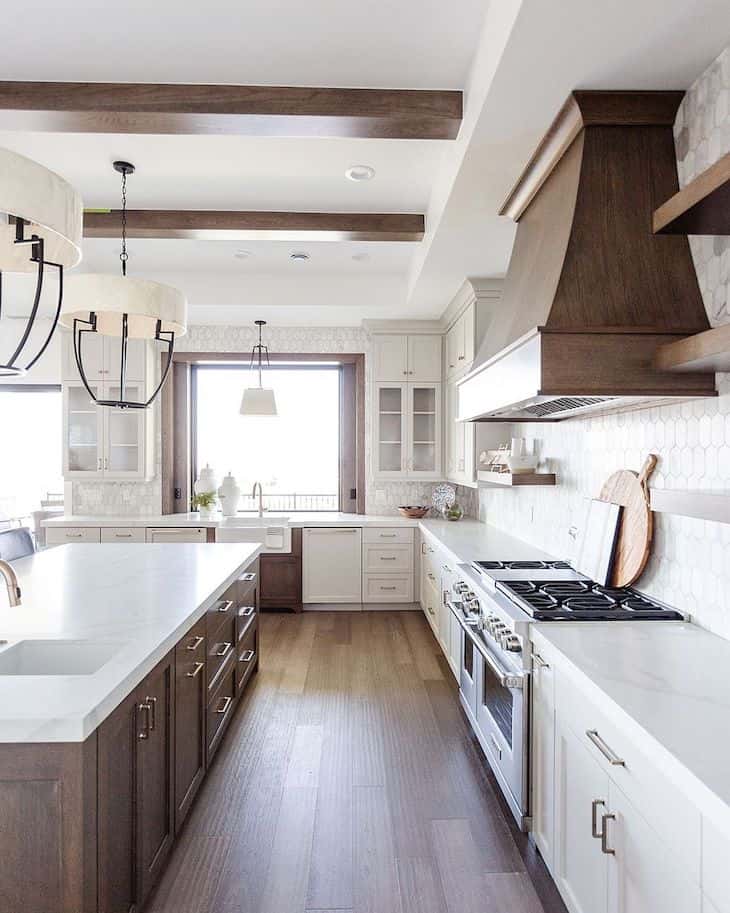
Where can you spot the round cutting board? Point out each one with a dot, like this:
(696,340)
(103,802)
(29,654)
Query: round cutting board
(633,545)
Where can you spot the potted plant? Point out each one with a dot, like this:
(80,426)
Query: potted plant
(205,503)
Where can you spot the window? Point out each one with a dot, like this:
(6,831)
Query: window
(295,456)
(30,453)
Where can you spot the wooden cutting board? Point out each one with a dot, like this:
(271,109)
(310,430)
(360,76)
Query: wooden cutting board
(633,546)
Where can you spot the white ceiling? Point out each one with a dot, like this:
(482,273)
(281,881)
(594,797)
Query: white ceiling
(402,44)
(515,59)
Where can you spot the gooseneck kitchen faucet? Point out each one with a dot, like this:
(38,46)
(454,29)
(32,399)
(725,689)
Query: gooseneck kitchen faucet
(11,582)
(257,485)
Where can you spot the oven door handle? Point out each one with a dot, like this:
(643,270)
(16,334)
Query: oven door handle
(506,679)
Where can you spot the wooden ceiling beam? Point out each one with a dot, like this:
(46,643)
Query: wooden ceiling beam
(293,111)
(224,225)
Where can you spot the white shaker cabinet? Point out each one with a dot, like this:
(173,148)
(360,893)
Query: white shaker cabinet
(543,757)
(102,358)
(581,801)
(176,534)
(332,565)
(401,357)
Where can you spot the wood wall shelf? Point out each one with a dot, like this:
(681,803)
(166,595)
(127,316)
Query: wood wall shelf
(512,480)
(700,208)
(703,505)
(706,351)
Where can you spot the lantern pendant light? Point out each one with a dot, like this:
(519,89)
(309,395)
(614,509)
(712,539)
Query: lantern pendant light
(259,400)
(124,308)
(40,227)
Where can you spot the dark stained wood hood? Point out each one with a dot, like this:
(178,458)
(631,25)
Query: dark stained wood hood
(591,292)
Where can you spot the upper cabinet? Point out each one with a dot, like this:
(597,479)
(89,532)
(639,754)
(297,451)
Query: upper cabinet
(460,343)
(407,431)
(102,359)
(414,358)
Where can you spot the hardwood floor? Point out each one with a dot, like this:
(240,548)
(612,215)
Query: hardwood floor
(349,782)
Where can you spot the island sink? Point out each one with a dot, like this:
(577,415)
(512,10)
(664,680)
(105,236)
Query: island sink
(55,657)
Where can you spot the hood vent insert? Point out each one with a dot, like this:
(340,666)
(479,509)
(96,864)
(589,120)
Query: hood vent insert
(565,404)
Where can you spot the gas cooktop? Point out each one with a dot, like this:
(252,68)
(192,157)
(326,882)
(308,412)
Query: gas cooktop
(522,565)
(583,600)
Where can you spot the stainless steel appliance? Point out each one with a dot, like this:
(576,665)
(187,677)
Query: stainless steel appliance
(494,603)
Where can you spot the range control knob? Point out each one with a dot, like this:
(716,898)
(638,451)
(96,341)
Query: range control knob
(512,643)
(461,588)
(492,622)
(498,630)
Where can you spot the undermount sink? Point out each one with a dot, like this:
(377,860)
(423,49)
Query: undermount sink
(56,657)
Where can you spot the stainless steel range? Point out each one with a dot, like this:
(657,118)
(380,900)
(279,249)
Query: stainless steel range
(495,602)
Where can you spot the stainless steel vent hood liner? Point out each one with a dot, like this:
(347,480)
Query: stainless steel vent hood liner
(590,293)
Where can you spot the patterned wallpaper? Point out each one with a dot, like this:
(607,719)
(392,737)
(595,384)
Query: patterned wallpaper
(112,498)
(689,566)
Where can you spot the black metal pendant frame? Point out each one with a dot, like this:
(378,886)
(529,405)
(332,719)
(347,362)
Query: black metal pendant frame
(83,327)
(11,368)
(260,352)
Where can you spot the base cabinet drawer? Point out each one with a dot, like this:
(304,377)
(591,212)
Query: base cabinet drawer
(220,707)
(247,657)
(122,534)
(387,535)
(380,588)
(59,535)
(220,648)
(387,559)
(191,699)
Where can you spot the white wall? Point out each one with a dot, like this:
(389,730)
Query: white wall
(689,567)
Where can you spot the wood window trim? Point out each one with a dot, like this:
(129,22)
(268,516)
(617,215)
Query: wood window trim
(176,419)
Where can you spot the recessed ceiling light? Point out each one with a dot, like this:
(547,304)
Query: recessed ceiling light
(242,254)
(360,258)
(299,256)
(360,173)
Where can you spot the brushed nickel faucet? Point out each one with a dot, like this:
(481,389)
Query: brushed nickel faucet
(11,582)
(261,497)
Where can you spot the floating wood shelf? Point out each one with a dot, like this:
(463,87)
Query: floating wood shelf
(511,479)
(700,208)
(706,351)
(704,505)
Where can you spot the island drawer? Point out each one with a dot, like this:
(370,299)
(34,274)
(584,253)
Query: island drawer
(245,619)
(122,534)
(247,657)
(220,647)
(385,535)
(220,708)
(58,535)
(220,613)
(191,647)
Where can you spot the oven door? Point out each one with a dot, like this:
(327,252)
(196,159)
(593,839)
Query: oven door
(469,672)
(501,712)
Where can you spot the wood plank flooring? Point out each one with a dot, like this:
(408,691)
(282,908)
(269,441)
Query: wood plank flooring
(349,782)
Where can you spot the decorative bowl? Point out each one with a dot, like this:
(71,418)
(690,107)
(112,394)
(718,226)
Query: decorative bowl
(413,513)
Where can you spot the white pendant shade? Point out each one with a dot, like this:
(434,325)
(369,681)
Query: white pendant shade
(51,206)
(258,401)
(109,297)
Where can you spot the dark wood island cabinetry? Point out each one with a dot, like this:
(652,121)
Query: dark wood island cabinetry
(88,827)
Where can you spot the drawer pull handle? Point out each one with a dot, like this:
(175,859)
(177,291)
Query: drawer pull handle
(247,656)
(430,611)
(195,643)
(226,606)
(151,702)
(246,611)
(605,848)
(247,578)
(144,732)
(74,535)
(608,753)
(226,704)
(387,558)
(388,535)
(224,648)
(197,667)
(595,805)
(431,577)
(536,658)
(388,587)
(122,535)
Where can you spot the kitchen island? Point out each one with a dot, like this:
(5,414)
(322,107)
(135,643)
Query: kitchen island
(121,672)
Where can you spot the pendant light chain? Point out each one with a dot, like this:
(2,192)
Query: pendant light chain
(124,256)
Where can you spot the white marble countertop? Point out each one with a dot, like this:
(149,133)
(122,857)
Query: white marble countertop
(665,682)
(470,540)
(295,519)
(144,598)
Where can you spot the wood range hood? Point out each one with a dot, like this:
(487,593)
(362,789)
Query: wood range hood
(591,293)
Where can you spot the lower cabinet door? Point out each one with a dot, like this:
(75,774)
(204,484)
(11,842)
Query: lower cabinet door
(155,775)
(643,875)
(190,707)
(543,758)
(582,801)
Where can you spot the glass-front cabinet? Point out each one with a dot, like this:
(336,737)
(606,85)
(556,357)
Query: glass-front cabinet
(407,426)
(102,442)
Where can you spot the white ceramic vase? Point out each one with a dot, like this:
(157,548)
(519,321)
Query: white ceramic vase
(206,481)
(229,495)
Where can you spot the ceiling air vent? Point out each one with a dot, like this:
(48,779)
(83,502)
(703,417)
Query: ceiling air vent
(565,404)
